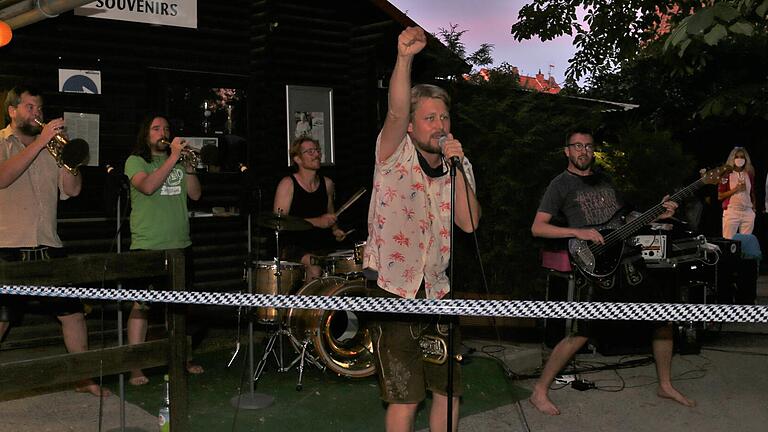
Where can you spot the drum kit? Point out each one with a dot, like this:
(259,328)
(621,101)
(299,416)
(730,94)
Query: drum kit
(327,339)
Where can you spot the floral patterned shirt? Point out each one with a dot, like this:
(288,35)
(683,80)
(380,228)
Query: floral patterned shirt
(409,224)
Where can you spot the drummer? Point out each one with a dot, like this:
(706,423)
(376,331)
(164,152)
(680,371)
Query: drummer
(309,195)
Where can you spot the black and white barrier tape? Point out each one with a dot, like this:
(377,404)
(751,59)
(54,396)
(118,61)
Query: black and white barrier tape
(497,308)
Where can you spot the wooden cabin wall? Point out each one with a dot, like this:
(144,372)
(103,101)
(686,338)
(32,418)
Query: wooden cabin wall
(262,46)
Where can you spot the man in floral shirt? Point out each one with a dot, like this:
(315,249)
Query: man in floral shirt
(408,248)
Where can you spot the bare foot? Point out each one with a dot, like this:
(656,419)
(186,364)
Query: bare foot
(669,392)
(194,369)
(542,403)
(91,387)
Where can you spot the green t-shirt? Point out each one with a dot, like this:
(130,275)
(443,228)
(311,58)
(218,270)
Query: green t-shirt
(159,221)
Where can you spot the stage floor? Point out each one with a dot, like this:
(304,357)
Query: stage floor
(727,379)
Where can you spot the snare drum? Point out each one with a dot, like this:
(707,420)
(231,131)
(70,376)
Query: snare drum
(341,263)
(346,263)
(265,282)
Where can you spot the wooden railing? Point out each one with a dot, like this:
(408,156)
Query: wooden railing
(84,269)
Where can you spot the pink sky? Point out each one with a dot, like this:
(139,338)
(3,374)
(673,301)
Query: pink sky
(489,21)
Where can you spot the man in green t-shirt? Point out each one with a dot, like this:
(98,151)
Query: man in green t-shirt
(160,186)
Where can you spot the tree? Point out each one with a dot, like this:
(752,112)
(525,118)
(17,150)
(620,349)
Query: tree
(451,37)
(733,34)
(612,31)
(615,31)
(721,45)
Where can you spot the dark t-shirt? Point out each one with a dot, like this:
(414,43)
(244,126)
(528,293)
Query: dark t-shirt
(581,201)
(308,205)
(593,200)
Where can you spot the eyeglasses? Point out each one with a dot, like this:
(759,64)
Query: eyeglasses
(581,146)
(313,150)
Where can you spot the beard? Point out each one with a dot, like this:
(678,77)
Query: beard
(427,147)
(29,129)
(583,163)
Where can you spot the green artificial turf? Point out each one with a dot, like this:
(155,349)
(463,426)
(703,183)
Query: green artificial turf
(326,402)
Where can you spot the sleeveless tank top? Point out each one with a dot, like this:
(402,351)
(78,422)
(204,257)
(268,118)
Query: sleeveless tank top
(308,205)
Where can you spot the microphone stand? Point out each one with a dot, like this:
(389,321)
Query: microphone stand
(451,318)
(251,400)
(121,187)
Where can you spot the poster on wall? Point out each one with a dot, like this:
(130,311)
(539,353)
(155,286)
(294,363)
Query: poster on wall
(309,111)
(79,81)
(176,13)
(86,127)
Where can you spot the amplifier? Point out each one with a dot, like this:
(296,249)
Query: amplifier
(689,247)
(653,246)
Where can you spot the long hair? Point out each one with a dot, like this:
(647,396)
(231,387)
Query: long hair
(141,146)
(747,166)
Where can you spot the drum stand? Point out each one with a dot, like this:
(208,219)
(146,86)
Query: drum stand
(276,336)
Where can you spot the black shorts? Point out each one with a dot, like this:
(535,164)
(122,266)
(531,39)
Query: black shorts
(13,305)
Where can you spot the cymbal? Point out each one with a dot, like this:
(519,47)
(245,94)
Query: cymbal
(278,222)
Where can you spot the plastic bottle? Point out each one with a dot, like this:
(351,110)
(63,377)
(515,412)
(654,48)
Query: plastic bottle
(164,416)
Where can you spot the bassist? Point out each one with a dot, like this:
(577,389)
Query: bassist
(586,198)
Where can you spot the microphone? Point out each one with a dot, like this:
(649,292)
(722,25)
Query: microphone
(248,177)
(113,173)
(441,143)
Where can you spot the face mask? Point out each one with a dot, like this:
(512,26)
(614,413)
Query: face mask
(739,162)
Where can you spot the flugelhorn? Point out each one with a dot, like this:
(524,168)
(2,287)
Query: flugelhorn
(187,154)
(70,154)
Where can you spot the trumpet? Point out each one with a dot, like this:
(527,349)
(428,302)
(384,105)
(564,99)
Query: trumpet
(68,154)
(187,154)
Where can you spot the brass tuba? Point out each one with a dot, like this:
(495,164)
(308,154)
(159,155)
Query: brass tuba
(187,154)
(70,154)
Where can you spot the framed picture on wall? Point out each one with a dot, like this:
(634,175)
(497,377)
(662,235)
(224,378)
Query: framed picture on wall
(309,111)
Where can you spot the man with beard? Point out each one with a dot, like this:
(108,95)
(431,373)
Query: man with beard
(585,198)
(308,195)
(30,185)
(160,186)
(408,248)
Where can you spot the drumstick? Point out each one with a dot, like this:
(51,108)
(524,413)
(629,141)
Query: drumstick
(350,201)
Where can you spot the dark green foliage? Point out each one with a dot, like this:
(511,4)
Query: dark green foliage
(515,141)
(644,164)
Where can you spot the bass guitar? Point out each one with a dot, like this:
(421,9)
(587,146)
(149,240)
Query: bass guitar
(600,261)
